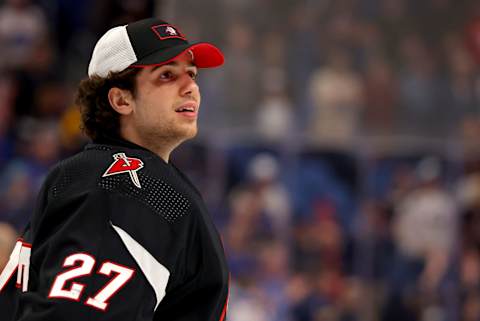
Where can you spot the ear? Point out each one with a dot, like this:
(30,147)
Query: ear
(121,100)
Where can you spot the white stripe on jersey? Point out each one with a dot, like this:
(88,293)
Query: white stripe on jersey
(19,259)
(156,274)
(11,266)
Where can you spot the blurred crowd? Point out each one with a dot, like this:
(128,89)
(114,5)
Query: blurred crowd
(337,151)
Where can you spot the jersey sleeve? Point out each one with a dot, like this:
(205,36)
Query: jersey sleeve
(100,255)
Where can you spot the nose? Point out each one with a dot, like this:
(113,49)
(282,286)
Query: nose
(189,86)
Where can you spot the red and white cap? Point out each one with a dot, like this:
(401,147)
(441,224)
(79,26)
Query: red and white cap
(145,43)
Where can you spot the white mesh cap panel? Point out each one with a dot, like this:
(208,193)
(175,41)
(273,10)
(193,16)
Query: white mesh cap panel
(113,52)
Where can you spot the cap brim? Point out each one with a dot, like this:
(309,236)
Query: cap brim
(205,55)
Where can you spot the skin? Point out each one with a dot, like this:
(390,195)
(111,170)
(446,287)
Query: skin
(151,118)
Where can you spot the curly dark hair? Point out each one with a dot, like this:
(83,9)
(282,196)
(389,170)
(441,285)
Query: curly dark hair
(98,116)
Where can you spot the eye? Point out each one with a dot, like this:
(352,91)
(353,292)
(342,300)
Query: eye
(166,75)
(193,74)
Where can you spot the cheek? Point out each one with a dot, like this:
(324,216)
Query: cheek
(153,104)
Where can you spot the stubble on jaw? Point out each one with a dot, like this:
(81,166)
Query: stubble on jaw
(167,137)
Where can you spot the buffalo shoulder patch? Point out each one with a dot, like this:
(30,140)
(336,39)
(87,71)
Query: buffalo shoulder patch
(123,164)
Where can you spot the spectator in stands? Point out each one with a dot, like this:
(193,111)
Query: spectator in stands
(395,19)
(246,303)
(469,263)
(274,114)
(22,177)
(239,88)
(424,228)
(471,29)
(381,97)
(463,93)
(272,278)
(7,98)
(22,26)
(256,240)
(422,91)
(463,81)
(337,94)
(36,75)
(303,52)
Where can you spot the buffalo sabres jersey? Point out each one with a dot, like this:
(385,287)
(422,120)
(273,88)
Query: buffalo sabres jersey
(118,234)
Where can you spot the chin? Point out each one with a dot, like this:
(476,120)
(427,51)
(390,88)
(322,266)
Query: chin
(190,133)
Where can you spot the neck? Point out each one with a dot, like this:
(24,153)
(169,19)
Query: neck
(161,146)
(163,154)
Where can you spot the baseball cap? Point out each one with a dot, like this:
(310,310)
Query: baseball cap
(147,42)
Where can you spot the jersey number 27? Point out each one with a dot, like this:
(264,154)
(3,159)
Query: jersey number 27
(83,265)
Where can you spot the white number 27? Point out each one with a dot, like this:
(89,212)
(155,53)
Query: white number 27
(83,265)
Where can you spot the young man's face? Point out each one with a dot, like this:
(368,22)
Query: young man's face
(167,102)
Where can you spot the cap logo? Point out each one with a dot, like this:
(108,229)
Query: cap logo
(166,31)
(170,31)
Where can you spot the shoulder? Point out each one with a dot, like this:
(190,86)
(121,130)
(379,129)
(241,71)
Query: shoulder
(130,176)
(80,172)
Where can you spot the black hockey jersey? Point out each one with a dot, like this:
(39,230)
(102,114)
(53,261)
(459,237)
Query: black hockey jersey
(119,234)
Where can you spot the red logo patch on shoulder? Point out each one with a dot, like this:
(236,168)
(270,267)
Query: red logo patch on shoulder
(123,164)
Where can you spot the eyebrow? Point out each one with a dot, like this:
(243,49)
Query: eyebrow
(172,63)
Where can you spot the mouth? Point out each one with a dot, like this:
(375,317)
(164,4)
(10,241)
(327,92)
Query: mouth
(189,110)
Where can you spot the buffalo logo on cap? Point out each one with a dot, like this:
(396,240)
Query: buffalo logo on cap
(167,31)
(171,31)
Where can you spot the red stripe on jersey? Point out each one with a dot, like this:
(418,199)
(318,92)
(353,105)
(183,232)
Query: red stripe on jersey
(224,311)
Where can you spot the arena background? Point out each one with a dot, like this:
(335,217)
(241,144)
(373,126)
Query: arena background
(338,148)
